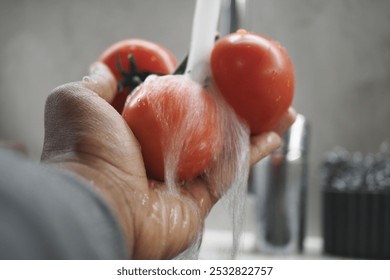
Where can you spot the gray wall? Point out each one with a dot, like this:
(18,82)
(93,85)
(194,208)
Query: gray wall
(340,49)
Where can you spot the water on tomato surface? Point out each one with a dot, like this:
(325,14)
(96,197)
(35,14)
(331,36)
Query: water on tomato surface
(230,166)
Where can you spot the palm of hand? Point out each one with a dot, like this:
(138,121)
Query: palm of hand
(95,142)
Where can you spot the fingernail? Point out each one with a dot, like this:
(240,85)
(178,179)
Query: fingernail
(273,139)
(293,112)
(96,69)
(89,80)
(95,72)
(101,81)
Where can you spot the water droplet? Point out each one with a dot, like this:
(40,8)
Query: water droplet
(274,75)
(140,103)
(86,79)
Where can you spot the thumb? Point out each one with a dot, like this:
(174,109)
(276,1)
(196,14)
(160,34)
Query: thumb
(262,145)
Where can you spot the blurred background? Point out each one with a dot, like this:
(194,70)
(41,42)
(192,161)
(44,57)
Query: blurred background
(340,49)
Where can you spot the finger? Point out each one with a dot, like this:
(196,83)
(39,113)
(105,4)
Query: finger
(262,145)
(286,121)
(101,81)
(202,195)
(167,222)
(197,190)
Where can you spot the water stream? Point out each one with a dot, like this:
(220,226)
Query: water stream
(229,172)
(231,166)
(231,169)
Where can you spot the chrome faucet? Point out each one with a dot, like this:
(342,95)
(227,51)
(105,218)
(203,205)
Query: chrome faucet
(279,183)
(233,16)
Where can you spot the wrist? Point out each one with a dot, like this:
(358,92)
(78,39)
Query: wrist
(112,191)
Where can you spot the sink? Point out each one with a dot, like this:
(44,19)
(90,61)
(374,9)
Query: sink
(217,244)
(218,237)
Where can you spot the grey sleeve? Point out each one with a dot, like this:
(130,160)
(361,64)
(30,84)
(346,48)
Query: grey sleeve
(46,213)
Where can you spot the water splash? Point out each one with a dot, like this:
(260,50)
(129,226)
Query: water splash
(230,168)
(234,161)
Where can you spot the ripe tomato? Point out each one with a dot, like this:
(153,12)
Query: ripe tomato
(176,123)
(149,58)
(255,76)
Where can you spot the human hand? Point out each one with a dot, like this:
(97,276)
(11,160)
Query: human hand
(85,135)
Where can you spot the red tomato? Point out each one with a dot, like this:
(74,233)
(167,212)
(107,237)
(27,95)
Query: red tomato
(174,116)
(255,76)
(149,58)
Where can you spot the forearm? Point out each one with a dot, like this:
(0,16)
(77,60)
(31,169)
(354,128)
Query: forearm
(111,189)
(46,213)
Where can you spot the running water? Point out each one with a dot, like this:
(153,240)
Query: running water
(231,164)
(189,106)
(229,173)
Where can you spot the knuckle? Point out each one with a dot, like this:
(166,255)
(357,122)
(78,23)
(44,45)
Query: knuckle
(63,93)
(71,95)
(66,88)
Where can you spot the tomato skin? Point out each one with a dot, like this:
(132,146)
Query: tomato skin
(173,116)
(149,57)
(255,76)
